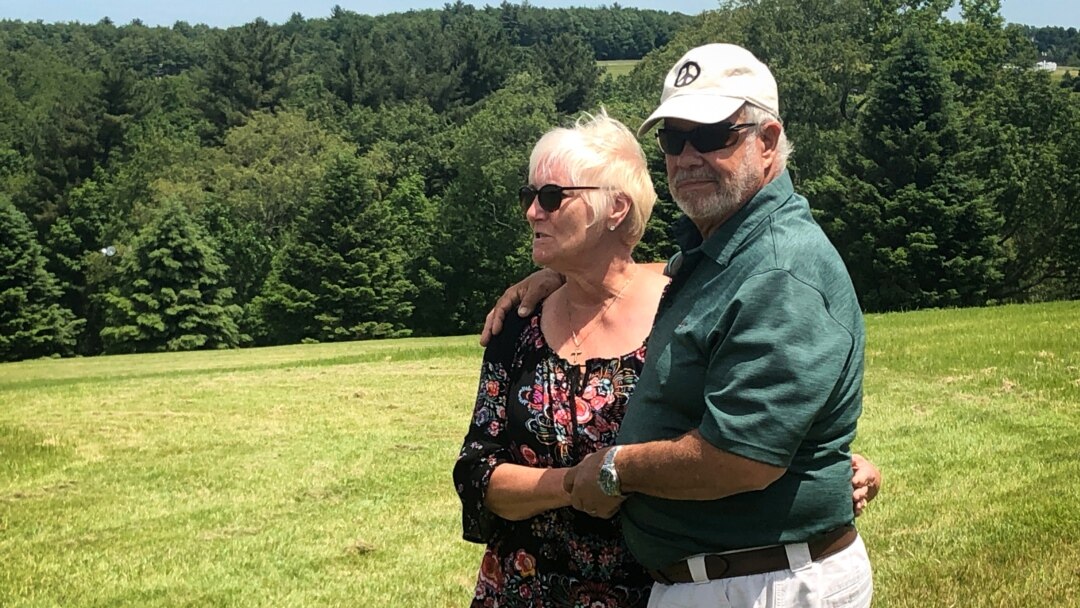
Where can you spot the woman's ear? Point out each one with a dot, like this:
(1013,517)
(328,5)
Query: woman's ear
(620,207)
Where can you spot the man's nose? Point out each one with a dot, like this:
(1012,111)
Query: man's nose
(689,157)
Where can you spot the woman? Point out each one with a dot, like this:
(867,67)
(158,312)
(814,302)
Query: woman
(554,386)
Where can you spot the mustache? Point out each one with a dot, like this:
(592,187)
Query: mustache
(694,175)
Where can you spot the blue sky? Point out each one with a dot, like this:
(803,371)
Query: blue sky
(1065,13)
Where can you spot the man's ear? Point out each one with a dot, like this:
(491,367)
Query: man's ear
(770,140)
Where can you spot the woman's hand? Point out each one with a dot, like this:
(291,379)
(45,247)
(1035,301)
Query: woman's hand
(865,482)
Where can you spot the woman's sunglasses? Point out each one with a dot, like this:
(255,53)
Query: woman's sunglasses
(706,138)
(551,196)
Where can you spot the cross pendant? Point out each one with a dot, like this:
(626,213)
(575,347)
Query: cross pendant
(575,355)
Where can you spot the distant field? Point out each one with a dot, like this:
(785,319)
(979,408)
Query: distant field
(1060,71)
(618,67)
(319,475)
(622,67)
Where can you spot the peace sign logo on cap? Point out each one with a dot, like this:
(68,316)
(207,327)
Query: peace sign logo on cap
(688,73)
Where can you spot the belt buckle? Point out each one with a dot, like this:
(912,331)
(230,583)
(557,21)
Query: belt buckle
(725,565)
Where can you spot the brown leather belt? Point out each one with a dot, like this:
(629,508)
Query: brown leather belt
(756,561)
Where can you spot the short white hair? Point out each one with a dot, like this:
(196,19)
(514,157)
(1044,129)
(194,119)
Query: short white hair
(784,147)
(600,151)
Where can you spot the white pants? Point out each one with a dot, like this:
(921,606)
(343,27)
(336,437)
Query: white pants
(842,580)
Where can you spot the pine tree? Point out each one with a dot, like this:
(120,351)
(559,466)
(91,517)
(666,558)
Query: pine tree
(171,293)
(485,243)
(568,63)
(408,199)
(89,217)
(914,229)
(247,69)
(342,276)
(64,262)
(32,321)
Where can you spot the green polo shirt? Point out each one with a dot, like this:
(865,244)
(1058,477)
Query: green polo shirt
(758,344)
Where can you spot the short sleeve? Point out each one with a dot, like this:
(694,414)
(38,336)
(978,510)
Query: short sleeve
(775,368)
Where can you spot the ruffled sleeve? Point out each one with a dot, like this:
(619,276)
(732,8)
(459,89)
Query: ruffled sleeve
(484,449)
(487,443)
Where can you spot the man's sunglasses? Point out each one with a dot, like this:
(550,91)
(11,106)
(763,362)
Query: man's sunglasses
(551,196)
(706,138)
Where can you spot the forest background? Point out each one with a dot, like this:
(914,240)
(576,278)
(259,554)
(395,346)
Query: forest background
(355,177)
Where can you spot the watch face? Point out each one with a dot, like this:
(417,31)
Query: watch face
(609,481)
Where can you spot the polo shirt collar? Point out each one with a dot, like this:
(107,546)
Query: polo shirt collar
(729,236)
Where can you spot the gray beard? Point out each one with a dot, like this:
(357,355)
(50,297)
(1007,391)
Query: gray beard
(727,199)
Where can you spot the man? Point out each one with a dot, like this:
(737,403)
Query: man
(733,466)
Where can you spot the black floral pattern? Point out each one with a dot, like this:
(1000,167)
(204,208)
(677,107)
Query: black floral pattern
(525,415)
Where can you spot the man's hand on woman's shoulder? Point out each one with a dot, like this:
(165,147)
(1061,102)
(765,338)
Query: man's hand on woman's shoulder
(524,294)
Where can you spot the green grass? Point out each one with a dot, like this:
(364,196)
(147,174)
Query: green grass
(1061,69)
(618,67)
(320,475)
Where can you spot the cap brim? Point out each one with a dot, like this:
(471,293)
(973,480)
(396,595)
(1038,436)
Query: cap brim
(700,108)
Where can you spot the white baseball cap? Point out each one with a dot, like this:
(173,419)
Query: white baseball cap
(709,83)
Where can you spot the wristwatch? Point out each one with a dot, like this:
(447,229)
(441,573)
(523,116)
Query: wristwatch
(609,477)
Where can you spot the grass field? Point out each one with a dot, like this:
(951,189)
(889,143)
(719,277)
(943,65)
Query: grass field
(319,475)
(618,67)
(1061,69)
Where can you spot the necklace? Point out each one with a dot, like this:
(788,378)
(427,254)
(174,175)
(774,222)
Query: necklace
(575,355)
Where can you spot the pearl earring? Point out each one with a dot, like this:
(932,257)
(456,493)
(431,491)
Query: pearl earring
(611,228)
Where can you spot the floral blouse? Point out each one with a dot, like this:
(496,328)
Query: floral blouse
(523,415)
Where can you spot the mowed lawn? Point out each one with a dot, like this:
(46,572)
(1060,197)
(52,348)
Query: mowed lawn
(618,67)
(1065,69)
(319,475)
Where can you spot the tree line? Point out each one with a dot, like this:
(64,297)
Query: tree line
(1058,44)
(354,177)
